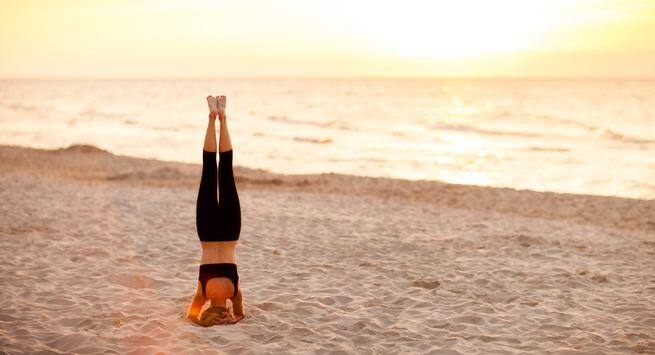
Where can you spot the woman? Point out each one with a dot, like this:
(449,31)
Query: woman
(218,221)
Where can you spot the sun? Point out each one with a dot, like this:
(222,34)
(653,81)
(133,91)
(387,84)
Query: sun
(456,29)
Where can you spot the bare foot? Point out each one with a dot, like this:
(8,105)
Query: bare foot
(213,107)
(221,102)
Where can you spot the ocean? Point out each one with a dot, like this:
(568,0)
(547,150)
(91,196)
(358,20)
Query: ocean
(575,136)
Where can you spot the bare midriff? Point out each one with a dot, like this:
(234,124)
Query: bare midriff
(219,252)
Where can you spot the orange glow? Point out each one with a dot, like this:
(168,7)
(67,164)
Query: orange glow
(146,38)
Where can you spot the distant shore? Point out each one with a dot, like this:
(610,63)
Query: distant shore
(99,254)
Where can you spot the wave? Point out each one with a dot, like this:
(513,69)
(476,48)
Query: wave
(548,149)
(94,112)
(604,132)
(568,122)
(23,107)
(163,128)
(313,140)
(613,135)
(477,130)
(321,140)
(326,124)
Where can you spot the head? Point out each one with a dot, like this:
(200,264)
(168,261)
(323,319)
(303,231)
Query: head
(216,315)
(218,291)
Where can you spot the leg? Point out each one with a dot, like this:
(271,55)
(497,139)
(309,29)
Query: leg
(224,142)
(207,203)
(228,203)
(210,136)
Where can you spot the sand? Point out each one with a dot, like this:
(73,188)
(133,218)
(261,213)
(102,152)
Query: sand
(99,255)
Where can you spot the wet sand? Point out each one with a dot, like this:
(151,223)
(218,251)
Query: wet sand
(99,255)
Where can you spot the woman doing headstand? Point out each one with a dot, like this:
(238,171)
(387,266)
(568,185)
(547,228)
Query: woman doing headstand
(218,221)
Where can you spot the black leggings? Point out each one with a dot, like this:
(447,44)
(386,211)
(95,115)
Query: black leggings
(218,219)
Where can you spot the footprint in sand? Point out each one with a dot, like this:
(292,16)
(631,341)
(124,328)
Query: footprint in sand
(600,278)
(428,284)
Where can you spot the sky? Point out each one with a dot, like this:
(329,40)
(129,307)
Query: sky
(335,38)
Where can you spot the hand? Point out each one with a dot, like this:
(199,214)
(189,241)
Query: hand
(237,318)
(209,321)
(201,322)
(216,316)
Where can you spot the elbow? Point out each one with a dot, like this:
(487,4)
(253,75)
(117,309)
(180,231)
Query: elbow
(192,314)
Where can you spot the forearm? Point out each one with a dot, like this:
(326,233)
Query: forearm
(194,315)
(237,304)
(196,306)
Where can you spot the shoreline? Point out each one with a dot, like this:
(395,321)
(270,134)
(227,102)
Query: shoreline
(94,165)
(253,175)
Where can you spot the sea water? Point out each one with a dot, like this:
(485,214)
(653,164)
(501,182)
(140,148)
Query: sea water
(577,136)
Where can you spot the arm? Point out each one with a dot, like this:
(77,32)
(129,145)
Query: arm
(237,306)
(196,306)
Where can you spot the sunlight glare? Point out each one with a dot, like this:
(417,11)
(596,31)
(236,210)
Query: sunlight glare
(446,29)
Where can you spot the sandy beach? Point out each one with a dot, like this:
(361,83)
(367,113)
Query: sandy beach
(99,254)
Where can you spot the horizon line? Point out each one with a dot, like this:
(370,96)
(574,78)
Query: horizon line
(336,77)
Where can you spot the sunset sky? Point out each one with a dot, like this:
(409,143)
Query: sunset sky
(336,38)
